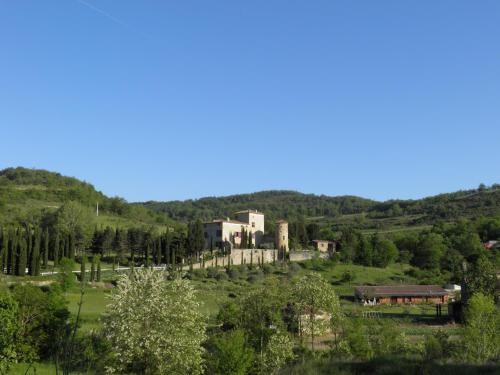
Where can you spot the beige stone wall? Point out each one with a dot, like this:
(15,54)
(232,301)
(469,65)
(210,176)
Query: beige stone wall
(281,240)
(322,245)
(247,256)
(255,224)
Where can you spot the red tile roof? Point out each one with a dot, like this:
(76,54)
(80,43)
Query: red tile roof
(400,290)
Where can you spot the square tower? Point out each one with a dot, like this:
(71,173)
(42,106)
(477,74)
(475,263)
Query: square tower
(255,220)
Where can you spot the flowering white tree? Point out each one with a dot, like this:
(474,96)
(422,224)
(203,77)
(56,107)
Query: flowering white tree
(318,306)
(155,325)
(279,351)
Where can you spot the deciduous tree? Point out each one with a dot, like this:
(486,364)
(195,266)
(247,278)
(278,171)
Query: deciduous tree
(155,326)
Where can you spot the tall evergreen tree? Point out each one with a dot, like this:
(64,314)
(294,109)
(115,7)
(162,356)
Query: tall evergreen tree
(22,257)
(98,271)
(250,240)
(147,252)
(34,256)
(3,248)
(92,268)
(71,247)
(11,252)
(243,241)
(56,249)
(46,241)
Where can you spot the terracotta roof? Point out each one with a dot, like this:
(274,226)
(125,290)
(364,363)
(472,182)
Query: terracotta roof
(249,211)
(400,290)
(281,222)
(226,221)
(324,241)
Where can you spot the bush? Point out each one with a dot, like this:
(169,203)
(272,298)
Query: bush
(294,267)
(267,269)
(221,276)
(255,276)
(199,273)
(233,273)
(212,272)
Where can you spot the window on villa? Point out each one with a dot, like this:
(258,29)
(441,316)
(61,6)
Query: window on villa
(253,224)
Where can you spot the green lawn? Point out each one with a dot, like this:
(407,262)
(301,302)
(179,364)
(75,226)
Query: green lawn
(415,321)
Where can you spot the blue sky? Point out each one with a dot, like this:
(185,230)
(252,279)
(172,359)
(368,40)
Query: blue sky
(162,100)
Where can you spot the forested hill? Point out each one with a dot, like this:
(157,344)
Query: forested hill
(291,204)
(275,203)
(28,192)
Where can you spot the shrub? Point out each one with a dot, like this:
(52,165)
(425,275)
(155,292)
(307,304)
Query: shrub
(267,269)
(233,273)
(200,273)
(221,276)
(212,272)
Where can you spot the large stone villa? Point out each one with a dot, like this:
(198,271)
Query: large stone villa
(229,231)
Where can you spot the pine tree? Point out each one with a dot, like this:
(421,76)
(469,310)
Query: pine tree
(83,264)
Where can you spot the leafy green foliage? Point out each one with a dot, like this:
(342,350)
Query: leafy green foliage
(229,354)
(481,341)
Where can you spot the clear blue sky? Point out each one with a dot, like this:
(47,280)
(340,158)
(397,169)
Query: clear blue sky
(182,99)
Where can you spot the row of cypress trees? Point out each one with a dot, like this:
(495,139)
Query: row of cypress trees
(26,249)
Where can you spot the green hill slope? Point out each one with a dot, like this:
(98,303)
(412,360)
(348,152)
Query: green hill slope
(275,203)
(342,210)
(28,192)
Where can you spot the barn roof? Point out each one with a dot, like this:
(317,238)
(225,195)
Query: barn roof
(400,290)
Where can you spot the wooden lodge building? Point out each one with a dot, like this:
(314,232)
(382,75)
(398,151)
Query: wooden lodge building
(399,294)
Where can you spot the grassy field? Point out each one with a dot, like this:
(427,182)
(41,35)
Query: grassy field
(416,321)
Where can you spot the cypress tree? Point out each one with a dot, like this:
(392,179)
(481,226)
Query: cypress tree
(11,252)
(250,244)
(46,247)
(251,259)
(29,244)
(92,269)
(71,247)
(243,240)
(3,249)
(241,258)
(64,247)
(147,252)
(83,264)
(34,258)
(56,249)
(22,249)
(98,273)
